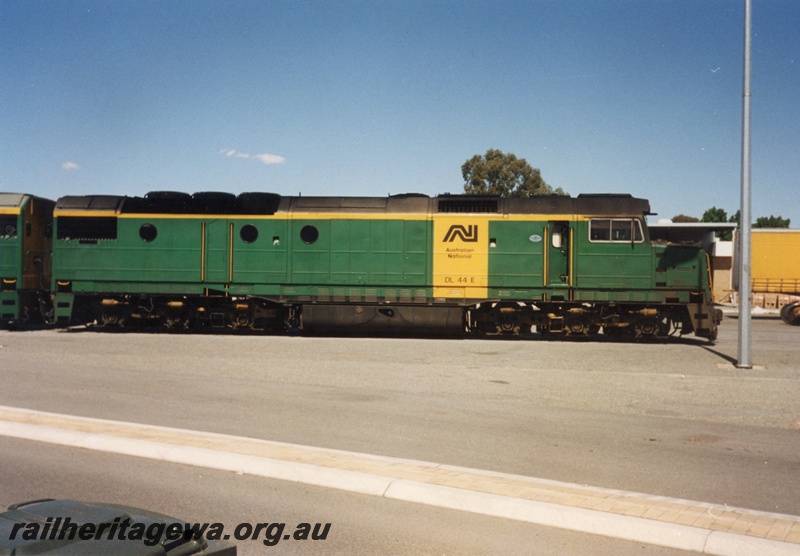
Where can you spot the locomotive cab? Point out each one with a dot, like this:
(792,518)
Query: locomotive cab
(25,250)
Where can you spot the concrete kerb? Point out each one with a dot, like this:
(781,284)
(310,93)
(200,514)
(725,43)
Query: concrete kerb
(756,313)
(420,482)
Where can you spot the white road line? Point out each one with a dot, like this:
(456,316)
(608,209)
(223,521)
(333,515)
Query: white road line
(673,523)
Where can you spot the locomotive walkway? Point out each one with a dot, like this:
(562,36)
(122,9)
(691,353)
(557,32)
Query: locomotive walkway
(669,522)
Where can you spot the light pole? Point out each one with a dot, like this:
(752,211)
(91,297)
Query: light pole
(745,295)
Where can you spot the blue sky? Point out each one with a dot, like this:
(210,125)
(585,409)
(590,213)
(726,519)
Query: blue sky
(377,97)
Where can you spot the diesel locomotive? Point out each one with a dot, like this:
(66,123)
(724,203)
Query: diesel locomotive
(25,258)
(403,264)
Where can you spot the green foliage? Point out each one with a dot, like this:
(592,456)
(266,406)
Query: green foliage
(771,222)
(680,218)
(498,173)
(765,221)
(715,214)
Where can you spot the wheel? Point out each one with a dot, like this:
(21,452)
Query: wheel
(790,313)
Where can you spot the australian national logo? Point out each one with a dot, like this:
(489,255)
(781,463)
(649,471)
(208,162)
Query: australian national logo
(466,233)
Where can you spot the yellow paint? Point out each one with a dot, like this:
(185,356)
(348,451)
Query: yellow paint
(203,252)
(571,263)
(775,260)
(460,256)
(230,254)
(277,216)
(87,213)
(545,249)
(317,216)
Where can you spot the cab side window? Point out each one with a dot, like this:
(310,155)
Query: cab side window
(615,230)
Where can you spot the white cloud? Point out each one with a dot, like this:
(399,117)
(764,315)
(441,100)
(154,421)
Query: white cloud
(70,166)
(265,158)
(269,158)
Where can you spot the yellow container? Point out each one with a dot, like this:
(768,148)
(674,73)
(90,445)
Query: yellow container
(775,258)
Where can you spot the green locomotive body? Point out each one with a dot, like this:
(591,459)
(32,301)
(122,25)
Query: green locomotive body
(398,264)
(25,245)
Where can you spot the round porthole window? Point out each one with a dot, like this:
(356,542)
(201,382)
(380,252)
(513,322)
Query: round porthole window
(248,233)
(148,232)
(309,234)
